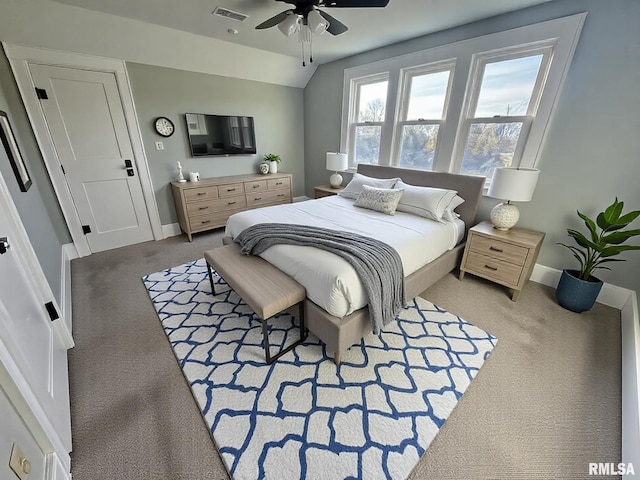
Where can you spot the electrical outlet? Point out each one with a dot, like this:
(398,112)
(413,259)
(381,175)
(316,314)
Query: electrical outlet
(20,465)
(159,146)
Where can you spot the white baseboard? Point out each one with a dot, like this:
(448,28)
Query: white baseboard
(171,230)
(626,301)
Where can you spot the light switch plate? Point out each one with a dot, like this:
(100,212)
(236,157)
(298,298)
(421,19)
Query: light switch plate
(19,463)
(159,146)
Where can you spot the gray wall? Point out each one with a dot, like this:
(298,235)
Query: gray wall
(38,207)
(591,153)
(277,112)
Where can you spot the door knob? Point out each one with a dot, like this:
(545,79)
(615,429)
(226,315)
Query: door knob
(4,245)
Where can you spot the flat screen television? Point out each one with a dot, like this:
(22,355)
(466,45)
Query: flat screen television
(220,134)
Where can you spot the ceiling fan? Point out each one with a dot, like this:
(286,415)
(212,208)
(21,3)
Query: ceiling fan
(307,18)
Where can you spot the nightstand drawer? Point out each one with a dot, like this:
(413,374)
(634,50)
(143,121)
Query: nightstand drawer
(498,249)
(493,269)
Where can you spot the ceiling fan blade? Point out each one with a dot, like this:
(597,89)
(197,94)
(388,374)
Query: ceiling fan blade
(354,3)
(336,27)
(273,21)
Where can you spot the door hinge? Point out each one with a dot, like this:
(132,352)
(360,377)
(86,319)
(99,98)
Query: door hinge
(86,229)
(42,94)
(51,310)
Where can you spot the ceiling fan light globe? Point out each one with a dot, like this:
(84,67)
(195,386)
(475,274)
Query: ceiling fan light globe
(317,23)
(289,25)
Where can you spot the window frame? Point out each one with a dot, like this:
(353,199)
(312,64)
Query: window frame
(407,74)
(356,86)
(561,35)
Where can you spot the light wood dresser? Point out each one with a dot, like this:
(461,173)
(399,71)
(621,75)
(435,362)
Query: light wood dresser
(210,202)
(506,258)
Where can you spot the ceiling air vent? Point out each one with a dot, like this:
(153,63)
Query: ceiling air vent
(226,13)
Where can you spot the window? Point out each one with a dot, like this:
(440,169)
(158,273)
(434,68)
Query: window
(467,107)
(424,102)
(502,109)
(370,102)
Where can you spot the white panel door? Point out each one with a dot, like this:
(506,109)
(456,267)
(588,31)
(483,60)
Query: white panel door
(26,330)
(85,118)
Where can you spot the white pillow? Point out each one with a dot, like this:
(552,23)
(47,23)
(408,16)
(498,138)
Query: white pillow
(449,214)
(384,200)
(354,187)
(428,202)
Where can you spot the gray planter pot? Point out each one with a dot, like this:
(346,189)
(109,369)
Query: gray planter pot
(575,294)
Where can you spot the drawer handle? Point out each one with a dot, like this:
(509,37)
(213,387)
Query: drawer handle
(258,198)
(281,194)
(205,221)
(499,250)
(231,203)
(231,189)
(202,193)
(490,267)
(256,186)
(278,183)
(203,208)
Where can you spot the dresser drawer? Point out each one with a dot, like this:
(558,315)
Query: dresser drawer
(276,183)
(492,268)
(231,189)
(212,220)
(208,206)
(498,249)
(262,198)
(255,186)
(202,193)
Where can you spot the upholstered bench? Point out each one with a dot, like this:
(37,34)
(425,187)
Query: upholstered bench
(266,289)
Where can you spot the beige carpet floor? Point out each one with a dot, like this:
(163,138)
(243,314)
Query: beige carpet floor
(545,404)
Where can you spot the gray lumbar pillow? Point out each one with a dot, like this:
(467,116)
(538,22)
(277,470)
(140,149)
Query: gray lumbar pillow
(384,200)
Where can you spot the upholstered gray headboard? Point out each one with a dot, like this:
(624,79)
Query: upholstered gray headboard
(468,187)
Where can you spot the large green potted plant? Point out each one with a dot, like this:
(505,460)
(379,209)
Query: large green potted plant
(578,289)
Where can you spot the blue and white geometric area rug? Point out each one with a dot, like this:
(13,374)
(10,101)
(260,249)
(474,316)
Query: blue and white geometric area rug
(371,417)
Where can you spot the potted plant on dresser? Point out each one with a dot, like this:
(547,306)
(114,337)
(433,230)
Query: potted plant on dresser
(273,161)
(578,289)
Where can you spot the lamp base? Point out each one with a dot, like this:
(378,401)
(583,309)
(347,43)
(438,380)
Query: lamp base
(504,216)
(335,180)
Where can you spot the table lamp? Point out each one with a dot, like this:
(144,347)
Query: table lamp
(513,185)
(337,162)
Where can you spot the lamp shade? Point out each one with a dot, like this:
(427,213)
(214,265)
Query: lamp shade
(513,184)
(337,162)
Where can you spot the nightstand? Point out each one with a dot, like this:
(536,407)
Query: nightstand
(506,258)
(326,191)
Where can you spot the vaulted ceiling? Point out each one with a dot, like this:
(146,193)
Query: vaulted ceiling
(368,27)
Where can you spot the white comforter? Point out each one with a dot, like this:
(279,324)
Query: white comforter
(330,281)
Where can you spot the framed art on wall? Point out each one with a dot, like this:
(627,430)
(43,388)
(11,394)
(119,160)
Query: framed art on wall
(13,152)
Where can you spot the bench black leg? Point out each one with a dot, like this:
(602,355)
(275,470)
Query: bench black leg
(265,335)
(213,290)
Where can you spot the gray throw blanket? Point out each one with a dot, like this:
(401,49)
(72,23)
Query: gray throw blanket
(377,264)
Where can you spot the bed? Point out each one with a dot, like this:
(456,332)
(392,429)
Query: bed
(335,308)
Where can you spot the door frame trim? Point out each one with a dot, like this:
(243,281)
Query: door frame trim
(19,57)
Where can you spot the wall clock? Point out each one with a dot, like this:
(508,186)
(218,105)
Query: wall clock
(164,126)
